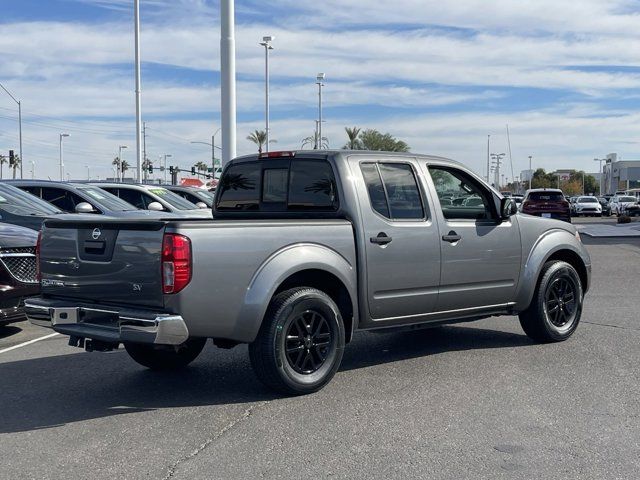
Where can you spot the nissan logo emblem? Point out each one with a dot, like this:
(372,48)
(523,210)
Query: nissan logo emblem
(96,233)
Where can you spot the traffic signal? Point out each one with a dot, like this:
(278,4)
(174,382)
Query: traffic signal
(171,170)
(193,170)
(12,158)
(150,168)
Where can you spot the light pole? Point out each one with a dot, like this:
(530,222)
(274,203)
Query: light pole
(530,172)
(88,172)
(62,135)
(120,171)
(19,123)
(488,157)
(164,164)
(600,160)
(228,79)
(136,21)
(319,80)
(266,43)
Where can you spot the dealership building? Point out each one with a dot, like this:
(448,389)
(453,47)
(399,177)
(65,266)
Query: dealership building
(619,174)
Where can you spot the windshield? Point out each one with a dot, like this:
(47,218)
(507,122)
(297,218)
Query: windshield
(173,199)
(627,199)
(107,200)
(17,202)
(587,200)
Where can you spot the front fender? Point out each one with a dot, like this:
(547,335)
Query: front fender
(280,266)
(545,247)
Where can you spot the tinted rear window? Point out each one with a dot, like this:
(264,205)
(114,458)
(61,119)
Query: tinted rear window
(312,186)
(297,185)
(239,187)
(546,197)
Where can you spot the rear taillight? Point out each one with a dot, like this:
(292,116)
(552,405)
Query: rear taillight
(176,262)
(38,276)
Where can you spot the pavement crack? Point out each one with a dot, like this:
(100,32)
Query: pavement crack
(245,415)
(611,326)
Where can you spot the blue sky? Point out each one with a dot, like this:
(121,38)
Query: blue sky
(564,76)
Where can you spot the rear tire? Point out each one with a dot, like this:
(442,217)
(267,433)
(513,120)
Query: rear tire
(556,307)
(300,343)
(166,357)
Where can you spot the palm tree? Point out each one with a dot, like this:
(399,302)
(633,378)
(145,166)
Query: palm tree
(353,142)
(259,137)
(313,141)
(16,163)
(201,166)
(124,167)
(3,160)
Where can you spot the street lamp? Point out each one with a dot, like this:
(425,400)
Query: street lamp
(530,172)
(319,80)
(120,171)
(19,123)
(266,43)
(62,135)
(213,151)
(88,172)
(600,160)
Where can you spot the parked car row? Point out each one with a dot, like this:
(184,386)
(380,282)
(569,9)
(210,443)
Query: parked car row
(25,204)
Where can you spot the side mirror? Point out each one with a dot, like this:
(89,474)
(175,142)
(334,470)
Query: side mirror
(508,207)
(201,205)
(84,207)
(155,206)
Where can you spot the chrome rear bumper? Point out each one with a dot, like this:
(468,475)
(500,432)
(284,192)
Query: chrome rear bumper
(109,324)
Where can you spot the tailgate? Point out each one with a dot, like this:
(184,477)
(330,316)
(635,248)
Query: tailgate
(103,261)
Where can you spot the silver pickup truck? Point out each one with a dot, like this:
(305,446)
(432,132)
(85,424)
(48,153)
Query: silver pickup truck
(306,248)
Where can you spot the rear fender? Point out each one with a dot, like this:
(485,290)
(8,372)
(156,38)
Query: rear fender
(547,245)
(280,266)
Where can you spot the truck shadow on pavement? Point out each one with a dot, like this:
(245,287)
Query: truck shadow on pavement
(52,391)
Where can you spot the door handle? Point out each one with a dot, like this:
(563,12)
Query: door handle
(381,239)
(451,237)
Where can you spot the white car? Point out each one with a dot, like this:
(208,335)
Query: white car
(587,206)
(620,203)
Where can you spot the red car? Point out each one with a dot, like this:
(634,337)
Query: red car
(547,203)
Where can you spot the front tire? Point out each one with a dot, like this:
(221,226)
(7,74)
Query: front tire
(556,307)
(166,357)
(300,343)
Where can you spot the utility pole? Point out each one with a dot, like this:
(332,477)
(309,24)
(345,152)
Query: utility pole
(228,79)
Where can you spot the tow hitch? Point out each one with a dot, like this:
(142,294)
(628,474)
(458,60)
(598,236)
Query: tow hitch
(91,345)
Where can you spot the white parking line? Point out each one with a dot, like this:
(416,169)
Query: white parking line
(28,343)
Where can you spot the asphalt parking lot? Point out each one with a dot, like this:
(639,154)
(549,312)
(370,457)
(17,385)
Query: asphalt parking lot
(477,400)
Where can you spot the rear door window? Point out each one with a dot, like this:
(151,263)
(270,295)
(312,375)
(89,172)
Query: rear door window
(393,190)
